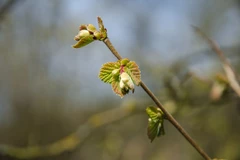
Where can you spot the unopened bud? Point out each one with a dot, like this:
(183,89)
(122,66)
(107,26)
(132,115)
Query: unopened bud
(81,34)
(91,28)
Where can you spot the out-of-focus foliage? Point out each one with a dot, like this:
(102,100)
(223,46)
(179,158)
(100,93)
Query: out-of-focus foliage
(48,89)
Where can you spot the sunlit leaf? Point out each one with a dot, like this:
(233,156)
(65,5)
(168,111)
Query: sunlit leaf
(116,88)
(84,41)
(155,123)
(123,75)
(153,129)
(108,72)
(153,112)
(134,71)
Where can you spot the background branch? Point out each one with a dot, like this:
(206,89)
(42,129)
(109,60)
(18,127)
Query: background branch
(231,75)
(6,8)
(71,141)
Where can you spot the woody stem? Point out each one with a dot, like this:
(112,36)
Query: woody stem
(159,105)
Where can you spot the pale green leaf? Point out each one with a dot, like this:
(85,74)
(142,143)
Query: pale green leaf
(84,41)
(153,129)
(108,72)
(134,72)
(155,123)
(153,112)
(116,88)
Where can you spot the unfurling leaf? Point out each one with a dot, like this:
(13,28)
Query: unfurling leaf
(83,41)
(116,88)
(122,75)
(88,33)
(109,72)
(155,123)
(134,72)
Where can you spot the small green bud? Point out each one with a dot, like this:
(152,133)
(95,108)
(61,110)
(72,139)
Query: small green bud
(97,35)
(88,33)
(81,34)
(125,61)
(91,28)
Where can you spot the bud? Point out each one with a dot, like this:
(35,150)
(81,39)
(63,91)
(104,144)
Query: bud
(88,33)
(84,36)
(126,83)
(91,28)
(81,34)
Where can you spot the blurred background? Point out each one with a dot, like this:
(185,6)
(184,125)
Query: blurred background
(48,90)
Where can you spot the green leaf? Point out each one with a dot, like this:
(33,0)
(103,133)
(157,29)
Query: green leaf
(134,72)
(116,88)
(153,112)
(153,129)
(112,72)
(84,41)
(109,72)
(155,123)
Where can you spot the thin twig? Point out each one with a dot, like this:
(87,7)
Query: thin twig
(158,103)
(232,78)
(6,7)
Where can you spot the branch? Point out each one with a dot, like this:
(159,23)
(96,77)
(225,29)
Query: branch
(159,105)
(6,7)
(231,75)
(71,141)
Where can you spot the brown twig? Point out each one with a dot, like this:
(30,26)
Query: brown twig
(6,7)
(159,105)
(232,77)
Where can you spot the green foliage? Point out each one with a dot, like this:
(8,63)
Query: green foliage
(109,72)
(84,41)
(89,33)
(155,122)
(133,70)
(122,75)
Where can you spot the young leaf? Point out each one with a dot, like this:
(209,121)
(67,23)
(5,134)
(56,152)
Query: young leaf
(155,123)
(84,41)
(122,74)
(153,129)
(154,113)
(134,71)
(116,88)
(109,71)
(88,33)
